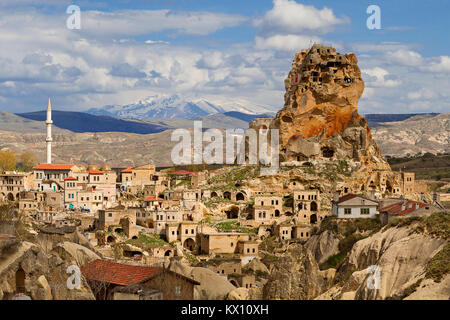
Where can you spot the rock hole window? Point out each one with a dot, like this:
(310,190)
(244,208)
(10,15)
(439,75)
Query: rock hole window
(327,152)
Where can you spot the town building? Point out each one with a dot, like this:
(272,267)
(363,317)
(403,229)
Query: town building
(110,280)
(354,206)
(12,183)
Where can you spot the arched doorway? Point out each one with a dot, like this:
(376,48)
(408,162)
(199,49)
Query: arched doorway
(118,230)
(213,194)
(388,186)
(240,196)
(189,244)
(20,281)
(110,239)
(313,218)
(277,213)
(168,253)
(227,195)
(134,237)
(313,206)
(10,197)
(233,213)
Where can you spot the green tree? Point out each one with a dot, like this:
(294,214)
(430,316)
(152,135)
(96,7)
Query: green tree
(28,160)
(8,160)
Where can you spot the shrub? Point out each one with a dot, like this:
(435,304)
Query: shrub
(439,265)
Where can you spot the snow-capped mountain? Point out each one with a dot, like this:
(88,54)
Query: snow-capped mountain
(171,107)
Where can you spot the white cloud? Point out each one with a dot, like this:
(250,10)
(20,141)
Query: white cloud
(288,42)
(441,64)
(141,22)
(377,78)
(156,42)
(288,16)
(405,57)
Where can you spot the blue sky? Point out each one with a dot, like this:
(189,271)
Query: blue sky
(223,51)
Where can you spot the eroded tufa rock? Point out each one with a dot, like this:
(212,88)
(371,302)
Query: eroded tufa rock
(320,115)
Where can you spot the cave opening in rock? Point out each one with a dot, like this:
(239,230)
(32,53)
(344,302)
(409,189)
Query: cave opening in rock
(327,152)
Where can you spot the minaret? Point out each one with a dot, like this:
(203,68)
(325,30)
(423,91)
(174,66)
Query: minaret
(49,139)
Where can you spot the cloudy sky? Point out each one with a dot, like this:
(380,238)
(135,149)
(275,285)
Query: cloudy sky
(234,50)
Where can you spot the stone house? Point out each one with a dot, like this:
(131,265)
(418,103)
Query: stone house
(249,248)
(120,219)
(221,242)
(267,208)
(106,278)
(12,183)
(407,208)
(185,232)
(307,206)
(52,172)
(284,231)
(225,266)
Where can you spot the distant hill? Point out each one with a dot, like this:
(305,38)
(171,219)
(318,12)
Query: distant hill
(12,122)
(417,134)
(386,117)
(247,117)
(84,122)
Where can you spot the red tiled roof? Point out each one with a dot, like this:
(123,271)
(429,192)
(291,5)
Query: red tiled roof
(50,166)
(182,172)
(70,178)
(347,197)
(396,208)
(127,170)
(95,172)
(117,273)
(150,198)
(351,196)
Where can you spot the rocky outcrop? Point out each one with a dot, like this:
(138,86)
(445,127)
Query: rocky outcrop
(295,276)
(400,256)
(257,266)
(320,115)
(238,294)
(323,245)
(44,275)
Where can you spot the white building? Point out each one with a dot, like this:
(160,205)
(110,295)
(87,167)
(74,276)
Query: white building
(352,206)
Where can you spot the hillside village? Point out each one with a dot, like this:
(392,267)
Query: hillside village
(145,233)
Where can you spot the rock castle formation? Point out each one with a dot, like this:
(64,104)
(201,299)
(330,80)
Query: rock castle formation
(320,115)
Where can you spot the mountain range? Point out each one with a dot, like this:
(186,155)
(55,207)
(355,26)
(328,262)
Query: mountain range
(174,107)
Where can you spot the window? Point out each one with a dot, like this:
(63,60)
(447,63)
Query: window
(364,210)
(347,210)
(178,291)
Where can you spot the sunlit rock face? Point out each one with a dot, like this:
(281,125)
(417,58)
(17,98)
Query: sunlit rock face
(320,115)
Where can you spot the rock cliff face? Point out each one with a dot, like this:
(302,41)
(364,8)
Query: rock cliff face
(320,115)
(295,276)
(401,256)
(45,273)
